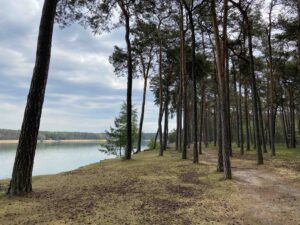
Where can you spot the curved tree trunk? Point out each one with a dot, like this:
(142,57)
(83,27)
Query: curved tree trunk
(142,115)
(21,181)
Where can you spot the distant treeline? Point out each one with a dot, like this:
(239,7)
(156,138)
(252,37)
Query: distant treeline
(6,134)
(49,135)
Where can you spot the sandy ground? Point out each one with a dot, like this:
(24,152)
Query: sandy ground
(270,193)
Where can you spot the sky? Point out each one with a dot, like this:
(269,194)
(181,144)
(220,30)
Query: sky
(83,93)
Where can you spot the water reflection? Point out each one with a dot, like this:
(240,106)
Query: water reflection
(53,157)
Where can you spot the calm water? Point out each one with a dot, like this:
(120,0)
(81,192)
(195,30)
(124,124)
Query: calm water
(53,158)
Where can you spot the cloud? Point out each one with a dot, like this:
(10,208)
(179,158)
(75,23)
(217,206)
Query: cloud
(83,93)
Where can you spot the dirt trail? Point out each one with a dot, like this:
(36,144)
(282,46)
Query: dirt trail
(269,197)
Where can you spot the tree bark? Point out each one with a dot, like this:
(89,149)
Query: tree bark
(160,117)
(184,85)
(271,110)
(126,15)
(142,115)
(247,118)
(261,124)
(241,132)
(166,118)
(195,106)
(146,70)
(227,94)
(161,147)
(236,106)
(220,166)
(21,181)
(284,125)
(215,120)
(292,119)
(298,37)
(221,54)
(201,117)
(255,97)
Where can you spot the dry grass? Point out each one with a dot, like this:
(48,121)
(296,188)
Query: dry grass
(146,190)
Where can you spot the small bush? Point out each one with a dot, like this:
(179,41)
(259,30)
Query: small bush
(151,144)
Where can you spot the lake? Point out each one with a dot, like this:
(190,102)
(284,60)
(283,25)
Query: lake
(51,158)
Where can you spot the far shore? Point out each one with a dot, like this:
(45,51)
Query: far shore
(58,141)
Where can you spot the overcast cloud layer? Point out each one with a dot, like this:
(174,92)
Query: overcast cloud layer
(83,94)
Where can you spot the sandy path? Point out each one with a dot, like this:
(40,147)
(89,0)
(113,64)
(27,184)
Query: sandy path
(268,197)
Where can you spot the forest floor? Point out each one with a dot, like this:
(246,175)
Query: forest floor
(163,190)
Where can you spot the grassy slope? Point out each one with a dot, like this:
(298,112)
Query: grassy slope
(146,190)
(286,161)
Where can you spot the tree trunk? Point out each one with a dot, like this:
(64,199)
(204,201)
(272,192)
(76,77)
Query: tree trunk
(298,37)
(255,97)
(142,115)
(166,118)
(247,119)
(21,181)
(284,125)
(241,132)
(195,114)
(292,119)
(215,120)
(160,117)
(161,149)
(261,124)
(178,115)
(184,84)
(126,15)
(206,120)
(236,106)
(227,94)
(271,110)
(201,116)
(221,53)
(220,166)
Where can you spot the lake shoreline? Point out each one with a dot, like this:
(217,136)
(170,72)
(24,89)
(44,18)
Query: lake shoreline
(57,156)
(58,141)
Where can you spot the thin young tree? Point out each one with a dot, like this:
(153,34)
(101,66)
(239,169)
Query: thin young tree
(244,10)
(143,47)
(272,86)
